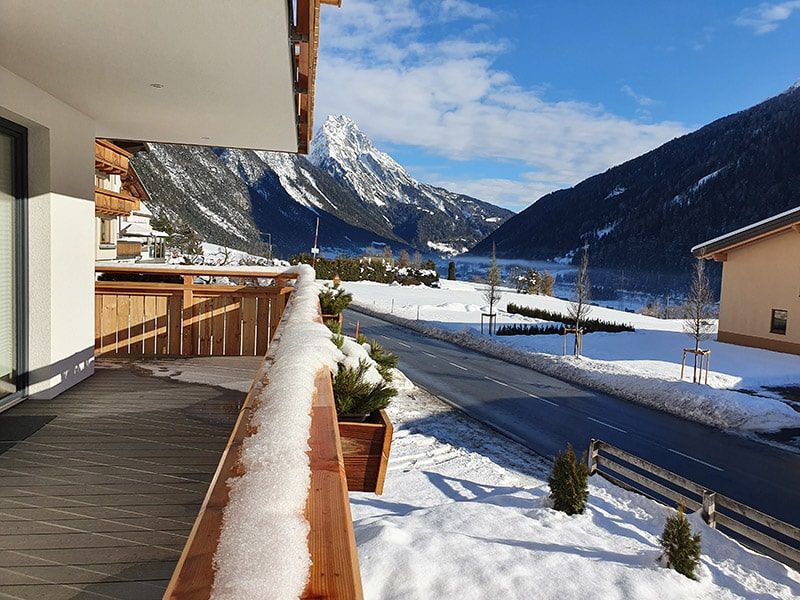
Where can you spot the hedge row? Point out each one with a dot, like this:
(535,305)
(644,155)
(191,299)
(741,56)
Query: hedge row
(588,325)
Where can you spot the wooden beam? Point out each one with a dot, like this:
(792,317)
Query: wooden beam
(720,256)
(194,270)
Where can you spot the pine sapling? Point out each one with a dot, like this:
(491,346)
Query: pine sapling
(681,548)
(569,483)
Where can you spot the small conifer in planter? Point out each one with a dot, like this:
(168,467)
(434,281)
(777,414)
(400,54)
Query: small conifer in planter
(385,360)
(334,301)
(356,398)
(681,548)
(569,483)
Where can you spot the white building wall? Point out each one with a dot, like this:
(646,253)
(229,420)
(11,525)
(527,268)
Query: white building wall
(61,235)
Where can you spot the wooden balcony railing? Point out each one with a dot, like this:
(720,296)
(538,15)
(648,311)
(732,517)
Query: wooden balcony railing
(146,318)
(114,204)
(129,249)
(334,573)
(110,158)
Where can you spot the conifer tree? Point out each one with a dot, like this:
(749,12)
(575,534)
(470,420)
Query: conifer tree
(569,483)
(451,271)
(681,548)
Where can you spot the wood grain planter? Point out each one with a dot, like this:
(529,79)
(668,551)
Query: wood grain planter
(365,448)
(338,318)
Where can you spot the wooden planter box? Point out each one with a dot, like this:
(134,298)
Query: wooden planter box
(339,318)
(365,448)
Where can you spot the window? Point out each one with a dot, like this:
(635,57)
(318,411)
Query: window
(13,254)
(106,231)
(779,319)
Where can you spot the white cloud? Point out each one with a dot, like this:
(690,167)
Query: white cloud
(446,96)
(461,9)
(767,17)
(640,99)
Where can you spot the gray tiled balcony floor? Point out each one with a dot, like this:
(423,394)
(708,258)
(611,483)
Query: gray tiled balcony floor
(99,488)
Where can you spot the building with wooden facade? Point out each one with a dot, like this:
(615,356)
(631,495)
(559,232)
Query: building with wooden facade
(760,297)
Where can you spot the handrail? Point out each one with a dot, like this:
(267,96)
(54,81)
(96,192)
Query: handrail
(167,269)
(334,573)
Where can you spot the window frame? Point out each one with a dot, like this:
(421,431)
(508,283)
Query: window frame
(19,134)
(785,320)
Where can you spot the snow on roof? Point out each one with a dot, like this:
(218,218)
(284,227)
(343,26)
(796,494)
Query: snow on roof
(740,235)
(138,229)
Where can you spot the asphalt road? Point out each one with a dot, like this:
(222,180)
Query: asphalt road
(544,413)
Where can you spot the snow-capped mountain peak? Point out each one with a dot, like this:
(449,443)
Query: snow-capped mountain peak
(419,212)
(343,150)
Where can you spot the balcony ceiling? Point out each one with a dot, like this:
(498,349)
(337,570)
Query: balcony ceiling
(225,67)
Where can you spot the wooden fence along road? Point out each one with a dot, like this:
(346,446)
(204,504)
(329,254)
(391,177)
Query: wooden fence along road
(626,470)
(137,318)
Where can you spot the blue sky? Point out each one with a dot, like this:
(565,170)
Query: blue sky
(508,100)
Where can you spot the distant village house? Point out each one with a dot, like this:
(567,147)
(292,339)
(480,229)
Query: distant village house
(760,298)
(123,231)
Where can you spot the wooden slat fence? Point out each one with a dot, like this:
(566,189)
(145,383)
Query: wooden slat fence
(627,470)
(135,318)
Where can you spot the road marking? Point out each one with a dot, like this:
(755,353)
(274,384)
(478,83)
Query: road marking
(458,366)
(527,393)
(429,354)
(386,337)
(702,462)
(497,382)
(403,344)
(606,424)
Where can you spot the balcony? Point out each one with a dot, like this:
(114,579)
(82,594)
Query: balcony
(129,250)
(109,158)
(118,487)
(113,204)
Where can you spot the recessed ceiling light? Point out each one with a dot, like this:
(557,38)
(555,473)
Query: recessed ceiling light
(158,86)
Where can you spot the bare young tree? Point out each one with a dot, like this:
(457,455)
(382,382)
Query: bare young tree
(492,295)
(404,259)
(579,308)
(698,311)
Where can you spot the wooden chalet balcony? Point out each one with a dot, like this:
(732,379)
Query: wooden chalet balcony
(114,204)
(129,250)
(185,318)
(110,159)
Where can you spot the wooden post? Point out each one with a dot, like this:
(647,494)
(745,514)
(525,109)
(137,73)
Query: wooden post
(592,456)
(710,508)
(708,364)
(187,316)
(358,323)
(683,363)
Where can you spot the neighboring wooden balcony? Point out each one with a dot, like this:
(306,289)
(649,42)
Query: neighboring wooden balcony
(114,204)
(110,159)
(128,250)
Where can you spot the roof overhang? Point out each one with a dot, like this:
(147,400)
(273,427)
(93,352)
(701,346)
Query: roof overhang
(233,74)
(719,247)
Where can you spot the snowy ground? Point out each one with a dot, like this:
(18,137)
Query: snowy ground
(643,366)
(464,515)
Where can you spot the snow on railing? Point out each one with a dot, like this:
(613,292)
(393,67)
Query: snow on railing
(263,550)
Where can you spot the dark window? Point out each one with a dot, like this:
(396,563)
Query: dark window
(779,319)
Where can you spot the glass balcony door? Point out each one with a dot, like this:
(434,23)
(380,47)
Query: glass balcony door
(12,186)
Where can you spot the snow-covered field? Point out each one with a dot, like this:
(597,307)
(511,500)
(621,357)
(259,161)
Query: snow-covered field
(465,515)
(642,366)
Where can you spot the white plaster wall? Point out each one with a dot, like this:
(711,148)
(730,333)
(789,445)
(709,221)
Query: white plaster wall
(61,234)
